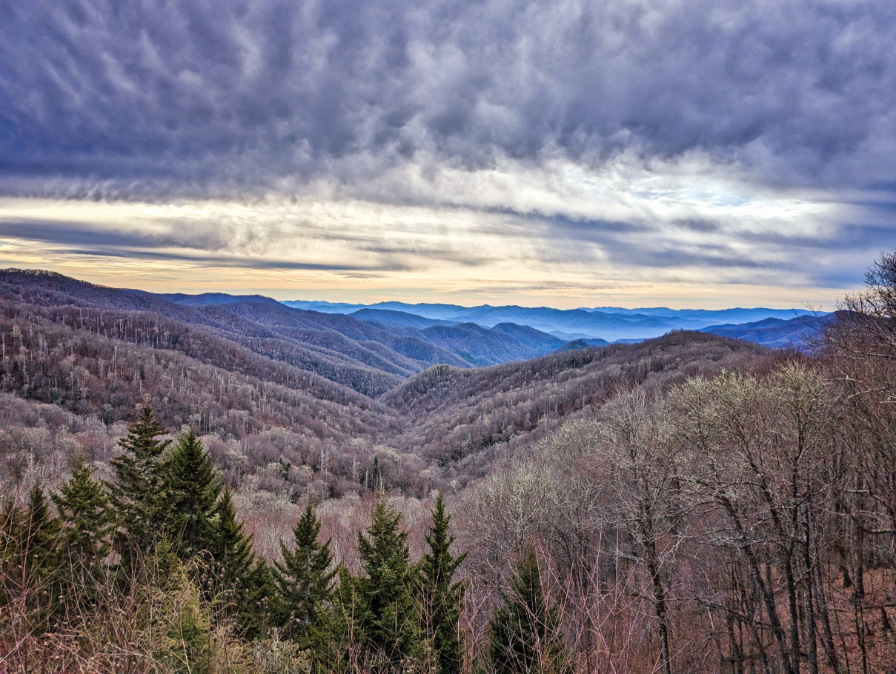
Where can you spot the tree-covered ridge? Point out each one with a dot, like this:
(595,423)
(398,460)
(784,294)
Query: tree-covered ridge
(367,357)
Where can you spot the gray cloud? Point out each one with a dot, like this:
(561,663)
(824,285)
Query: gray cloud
(204,97)
(77,234)
(85,240)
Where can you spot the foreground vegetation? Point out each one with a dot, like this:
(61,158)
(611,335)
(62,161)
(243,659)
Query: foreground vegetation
(684,512)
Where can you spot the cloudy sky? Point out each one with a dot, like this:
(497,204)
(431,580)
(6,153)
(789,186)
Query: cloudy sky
(554,152)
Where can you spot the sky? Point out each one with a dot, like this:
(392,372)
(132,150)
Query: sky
(552,152)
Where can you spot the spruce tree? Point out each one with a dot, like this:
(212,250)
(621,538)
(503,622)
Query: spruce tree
(192,487)
(83,506)
(523,632)
(38,559)
(41,533)
(441,600)
(244,581)
(349,619)
(388,619)
(304,583)
(257,613)
(138,498)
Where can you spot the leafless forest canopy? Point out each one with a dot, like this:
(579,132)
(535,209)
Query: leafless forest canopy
(686,504)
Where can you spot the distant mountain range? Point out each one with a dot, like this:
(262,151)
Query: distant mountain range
(798,332)
(605,323)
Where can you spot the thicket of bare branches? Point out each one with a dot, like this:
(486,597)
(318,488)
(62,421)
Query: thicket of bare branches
(730,524)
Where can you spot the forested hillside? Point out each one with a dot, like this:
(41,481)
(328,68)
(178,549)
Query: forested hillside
(218,483)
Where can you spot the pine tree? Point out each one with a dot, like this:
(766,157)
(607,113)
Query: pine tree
(138,498)
(350,616)
(36,560)
(175,620)
(244,581)
(441,601)
(304,583)
(523,632)
(192,487)
(388,619)
(256,613)
(377,483)
(41,533)
(83,507)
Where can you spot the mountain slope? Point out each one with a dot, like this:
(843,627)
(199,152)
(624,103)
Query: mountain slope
(370,357)
(774,332)
(398,318)
(464,420)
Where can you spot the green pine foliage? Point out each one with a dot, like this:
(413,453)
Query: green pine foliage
(304,583)
(386,613)
(40,534)
(29,559)
(192,488)
(244,582)
(349,618)
(524,630)
(11,519)
(255,611)
(167,509)
(83,507)
(440,599)
(138,497)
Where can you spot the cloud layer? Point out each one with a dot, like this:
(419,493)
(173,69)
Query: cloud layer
(723,137)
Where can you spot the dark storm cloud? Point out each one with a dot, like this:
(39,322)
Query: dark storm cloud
(204,97)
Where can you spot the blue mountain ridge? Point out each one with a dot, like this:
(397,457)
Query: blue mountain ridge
(799,332)
(606,323)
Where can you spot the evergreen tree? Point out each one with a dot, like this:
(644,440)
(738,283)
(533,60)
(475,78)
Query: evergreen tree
(82,503)
(441,601)
(244,581)
(523,631)
(349,618)
(304,586)
(377,482)
(192,486)
(138,498)
(41,534)
(386,614)
(256,612)
(34,548)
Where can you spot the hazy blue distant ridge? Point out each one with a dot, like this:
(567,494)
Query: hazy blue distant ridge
(799,332)
(608,323)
